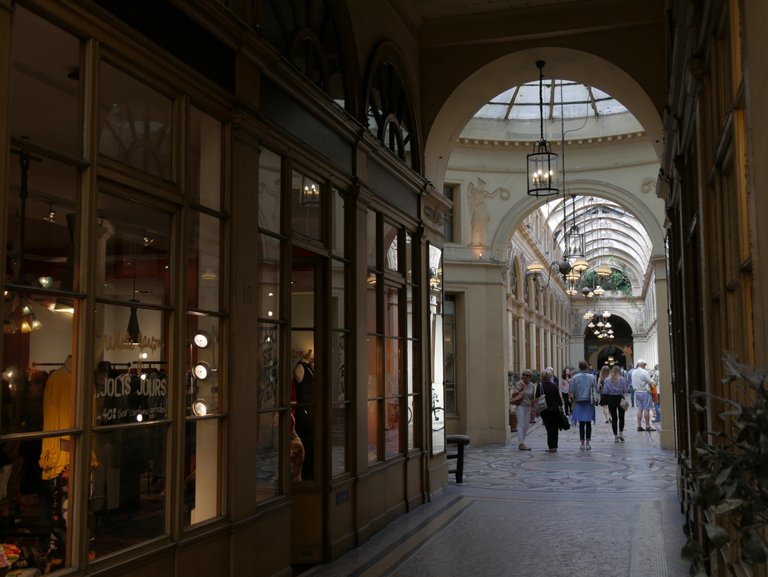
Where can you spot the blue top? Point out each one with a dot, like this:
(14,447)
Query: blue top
(581,383)
(618,388)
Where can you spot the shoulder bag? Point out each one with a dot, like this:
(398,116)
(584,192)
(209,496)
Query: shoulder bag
(624,404)
(541,402)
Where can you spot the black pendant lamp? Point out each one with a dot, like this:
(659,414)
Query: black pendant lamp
(134,332)
(543,172)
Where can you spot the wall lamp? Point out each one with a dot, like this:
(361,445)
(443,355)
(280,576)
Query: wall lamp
(536,269)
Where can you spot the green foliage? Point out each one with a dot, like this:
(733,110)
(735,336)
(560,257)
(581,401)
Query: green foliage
(729,476)
(616,281)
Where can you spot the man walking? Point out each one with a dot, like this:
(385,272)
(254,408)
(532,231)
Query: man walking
(641,383)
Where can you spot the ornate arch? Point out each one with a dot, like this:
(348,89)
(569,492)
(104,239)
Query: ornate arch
(516,69)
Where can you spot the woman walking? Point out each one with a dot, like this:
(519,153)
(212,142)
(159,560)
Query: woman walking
(522,396)
(565,383)
(614,388)
(604,372)
(582,383)
(551,415)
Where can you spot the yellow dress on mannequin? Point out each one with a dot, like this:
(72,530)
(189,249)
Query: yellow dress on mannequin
(57,414)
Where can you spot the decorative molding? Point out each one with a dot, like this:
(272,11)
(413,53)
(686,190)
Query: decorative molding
(486,142)
(436,217)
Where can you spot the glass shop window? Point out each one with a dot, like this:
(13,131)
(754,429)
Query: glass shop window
(131,381)
(204,159)
(38,433)
(37,396)
(45,84)
(340,334)
(135,123)
(390,382)
(306,199)
(271,407)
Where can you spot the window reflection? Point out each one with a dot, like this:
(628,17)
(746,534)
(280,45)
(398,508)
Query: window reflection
(128,488)
(436,346)
(136,126)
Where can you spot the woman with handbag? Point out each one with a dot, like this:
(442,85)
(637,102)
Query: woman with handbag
(583,394)
(522,397)
(614,388)
(550,416)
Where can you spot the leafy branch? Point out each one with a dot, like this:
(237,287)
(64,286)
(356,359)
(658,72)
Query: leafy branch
(729,475)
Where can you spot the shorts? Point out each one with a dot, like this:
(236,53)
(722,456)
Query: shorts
(643,401)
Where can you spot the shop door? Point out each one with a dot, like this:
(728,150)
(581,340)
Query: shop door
(307,466)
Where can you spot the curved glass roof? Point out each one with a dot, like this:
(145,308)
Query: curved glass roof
(561,98)
(612,236)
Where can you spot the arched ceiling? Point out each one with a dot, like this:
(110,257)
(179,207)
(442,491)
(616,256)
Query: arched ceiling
(613,236)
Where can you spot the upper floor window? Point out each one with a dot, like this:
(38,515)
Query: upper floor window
(306,33)
(389,108)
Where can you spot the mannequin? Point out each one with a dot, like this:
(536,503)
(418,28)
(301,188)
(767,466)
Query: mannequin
(304,385)
(55,457)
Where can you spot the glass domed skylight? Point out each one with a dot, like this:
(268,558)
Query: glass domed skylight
(561,98)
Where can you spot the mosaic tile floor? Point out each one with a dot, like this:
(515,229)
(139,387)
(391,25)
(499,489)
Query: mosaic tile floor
(612,511)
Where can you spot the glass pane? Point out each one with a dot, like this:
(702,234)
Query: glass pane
(372,237)
(338,440)
(133,253)
(449,344)
(268,363)
(306,196)
(373,367)
(128,494)
(436,348)
(411,429)
(42,222)
(338,222)
(303,402)
(202,463)
(203,266)
(337,294)
(45,84)
(409,312)
(269,191)
(131,380)
(338,367)
(135,122)
(392,367)
(204,159)
(392,312)
(37,393)
(409,256)
(373,431)
(267,456)
(203,396)
(392,432)
(371,302)
(391,260)
(269,278)
(392,392)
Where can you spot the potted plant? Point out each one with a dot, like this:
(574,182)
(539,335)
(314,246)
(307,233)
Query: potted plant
(726,496)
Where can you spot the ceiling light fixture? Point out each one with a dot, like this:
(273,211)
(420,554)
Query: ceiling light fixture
(542,162)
